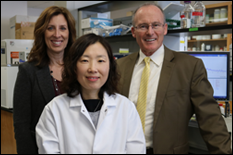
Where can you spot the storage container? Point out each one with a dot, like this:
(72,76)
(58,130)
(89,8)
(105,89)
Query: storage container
(223,14)
(216,15)
(95,22)
(216,36)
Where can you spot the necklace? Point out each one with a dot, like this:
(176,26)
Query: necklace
(97,106)
(55,84)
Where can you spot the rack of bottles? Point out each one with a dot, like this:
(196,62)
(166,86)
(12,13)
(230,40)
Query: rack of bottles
(193,16)
(217,16)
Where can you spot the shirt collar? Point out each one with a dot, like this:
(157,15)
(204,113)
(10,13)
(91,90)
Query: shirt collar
(156,57)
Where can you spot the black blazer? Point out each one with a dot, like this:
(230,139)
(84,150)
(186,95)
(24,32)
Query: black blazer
(33,90)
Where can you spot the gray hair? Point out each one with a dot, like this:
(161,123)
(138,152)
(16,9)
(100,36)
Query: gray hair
(147,4)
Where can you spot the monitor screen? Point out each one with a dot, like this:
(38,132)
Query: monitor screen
(217,67)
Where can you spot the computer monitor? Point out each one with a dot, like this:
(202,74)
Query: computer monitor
(217,67)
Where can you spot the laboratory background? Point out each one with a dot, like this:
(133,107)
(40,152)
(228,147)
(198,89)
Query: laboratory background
(206,35)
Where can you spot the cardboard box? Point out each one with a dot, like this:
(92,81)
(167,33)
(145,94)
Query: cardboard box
(25,33)
(25,30)
(95,22)
(16,21)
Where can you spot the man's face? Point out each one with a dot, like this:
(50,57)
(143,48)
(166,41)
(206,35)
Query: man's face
(149,39)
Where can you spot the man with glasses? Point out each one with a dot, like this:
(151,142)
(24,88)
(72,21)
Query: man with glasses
(167,88)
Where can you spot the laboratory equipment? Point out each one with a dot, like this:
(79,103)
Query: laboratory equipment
(13,52)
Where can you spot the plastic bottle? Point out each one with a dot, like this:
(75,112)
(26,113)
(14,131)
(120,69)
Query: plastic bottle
(223,14)
(217,48)
(217,15)
(203,47)
(207,18)
(198,15)
(186,15)
(194,48)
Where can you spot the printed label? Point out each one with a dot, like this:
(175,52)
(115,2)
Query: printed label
(193,29)
(14,54)
(14,57)
(123,50)
(197,13)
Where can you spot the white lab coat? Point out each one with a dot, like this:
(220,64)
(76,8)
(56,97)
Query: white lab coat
(65,127)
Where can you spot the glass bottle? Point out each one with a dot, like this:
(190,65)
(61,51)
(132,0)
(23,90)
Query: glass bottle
(186,15)
(198,15)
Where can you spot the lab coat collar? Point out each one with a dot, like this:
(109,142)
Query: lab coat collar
(108,100)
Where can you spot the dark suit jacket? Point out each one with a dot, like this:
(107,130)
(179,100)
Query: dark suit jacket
(33,90)
(183,90)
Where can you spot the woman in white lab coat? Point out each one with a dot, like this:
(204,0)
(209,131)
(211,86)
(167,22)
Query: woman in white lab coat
(91,117)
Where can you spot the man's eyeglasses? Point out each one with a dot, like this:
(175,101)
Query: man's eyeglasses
(145,27)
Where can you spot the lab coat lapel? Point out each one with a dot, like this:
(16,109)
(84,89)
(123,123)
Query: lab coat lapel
(78,101)
(45,83)
(105,110)
(165,76)
(108,102)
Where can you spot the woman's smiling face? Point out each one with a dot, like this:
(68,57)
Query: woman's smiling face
(57,34)
(93,68)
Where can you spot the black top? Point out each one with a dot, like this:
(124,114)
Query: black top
(92,104)
(33,90)
(57,86)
